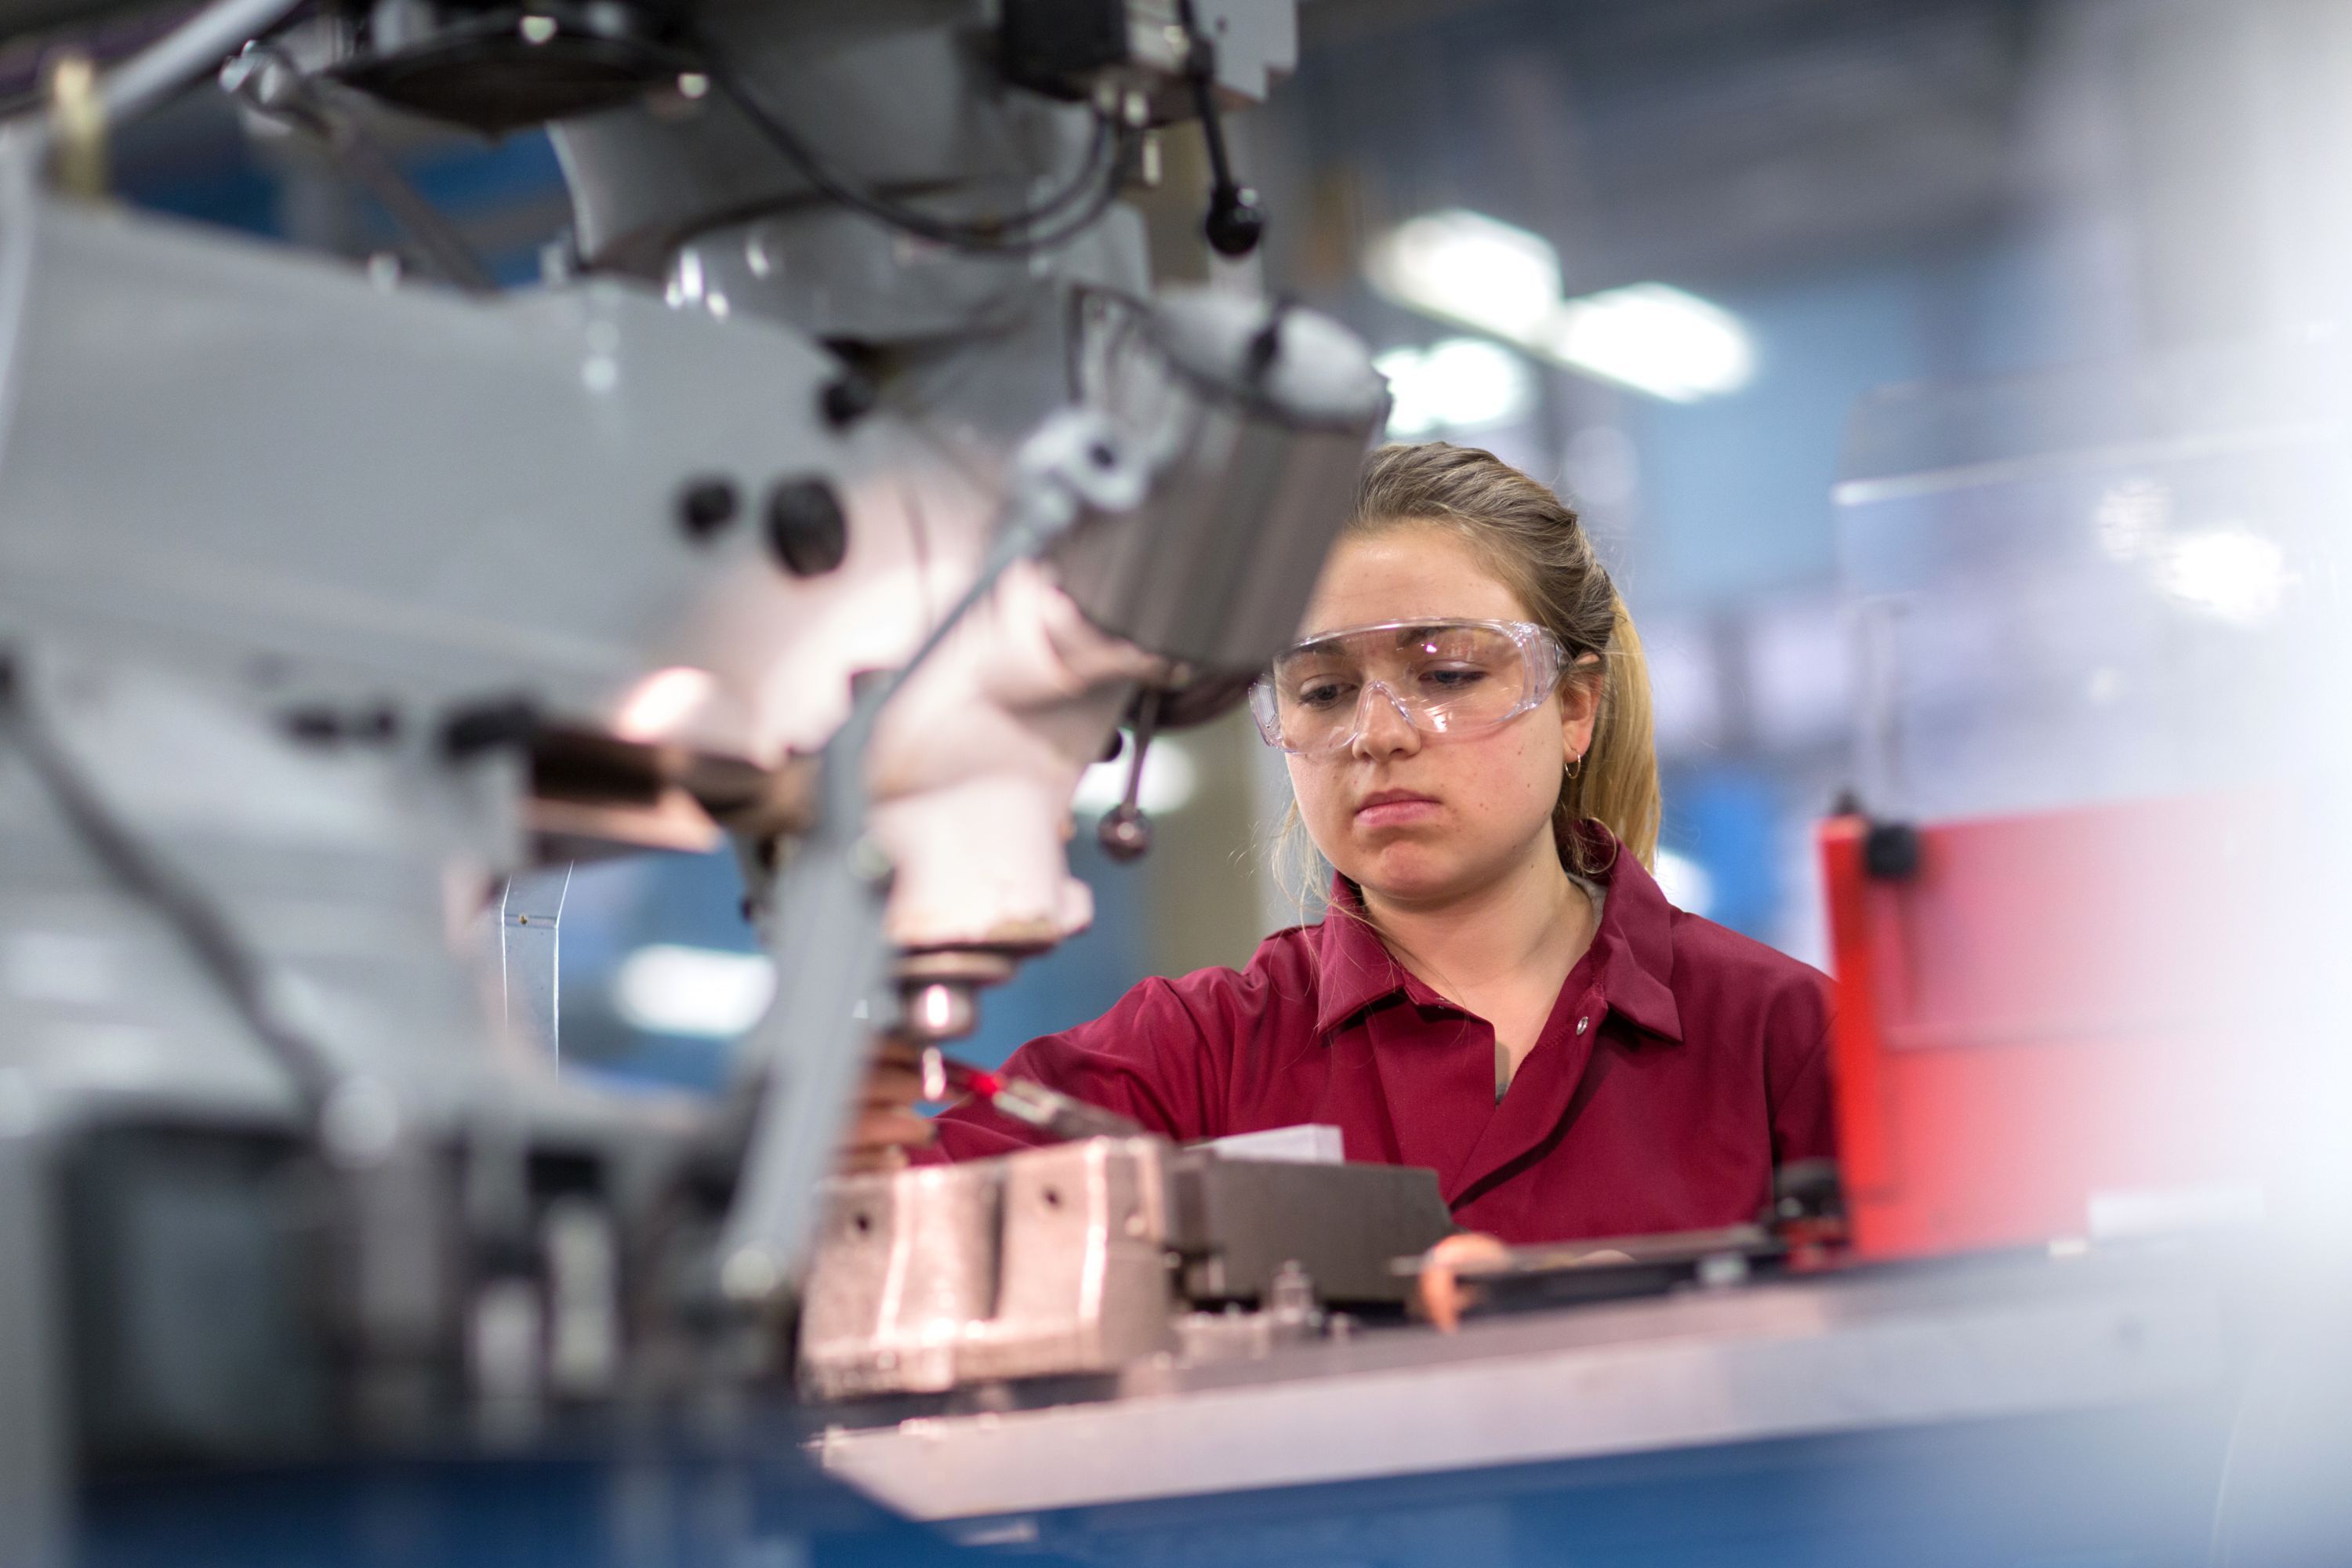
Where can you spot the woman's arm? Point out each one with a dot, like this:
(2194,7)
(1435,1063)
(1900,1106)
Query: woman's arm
(1148,1058)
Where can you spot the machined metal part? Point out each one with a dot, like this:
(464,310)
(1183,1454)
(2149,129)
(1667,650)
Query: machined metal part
(1053,1261)
(1258,417)
(1089,1256)
(1239,1223)
(530,954)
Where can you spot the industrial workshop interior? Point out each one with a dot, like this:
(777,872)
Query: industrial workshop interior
(1269,784)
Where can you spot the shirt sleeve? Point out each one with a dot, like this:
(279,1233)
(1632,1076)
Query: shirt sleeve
(1148,1058)
(1797,1073)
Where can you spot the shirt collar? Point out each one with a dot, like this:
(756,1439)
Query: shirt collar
(1634,948)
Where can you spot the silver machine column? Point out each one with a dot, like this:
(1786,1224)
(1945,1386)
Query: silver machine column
(804,506)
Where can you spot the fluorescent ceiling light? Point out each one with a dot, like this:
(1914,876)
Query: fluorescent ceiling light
(1476,271)
(1462,384)
(2226,573)
(1654,339)
(1467,267)
(699,991)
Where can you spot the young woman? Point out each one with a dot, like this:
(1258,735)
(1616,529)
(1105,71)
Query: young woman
(1498,990)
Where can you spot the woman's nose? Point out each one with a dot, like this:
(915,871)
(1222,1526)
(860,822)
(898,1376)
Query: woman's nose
(1382,726)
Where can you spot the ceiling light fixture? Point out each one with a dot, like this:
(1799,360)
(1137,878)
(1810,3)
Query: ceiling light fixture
(1474,271)
(1462,384)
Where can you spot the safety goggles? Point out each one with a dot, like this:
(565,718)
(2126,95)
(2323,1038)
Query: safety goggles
(1446,678)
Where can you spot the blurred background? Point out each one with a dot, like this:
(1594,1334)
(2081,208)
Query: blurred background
(1951,386)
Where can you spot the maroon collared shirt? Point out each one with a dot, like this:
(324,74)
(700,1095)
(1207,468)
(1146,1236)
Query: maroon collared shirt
(1681,1062)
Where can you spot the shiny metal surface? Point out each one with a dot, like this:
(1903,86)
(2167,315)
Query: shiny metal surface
(1052,1261)
(1782,1360)
(1089,1257)
(1263,415)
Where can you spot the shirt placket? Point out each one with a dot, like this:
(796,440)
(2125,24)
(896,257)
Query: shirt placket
(1539,1094)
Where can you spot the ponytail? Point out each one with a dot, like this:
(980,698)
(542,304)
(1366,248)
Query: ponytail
(1617,785)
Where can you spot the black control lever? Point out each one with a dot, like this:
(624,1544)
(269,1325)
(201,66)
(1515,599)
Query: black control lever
(1125,832)
(1235,222)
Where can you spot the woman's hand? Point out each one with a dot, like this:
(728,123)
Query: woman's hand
(1444,1297)
(886,1125)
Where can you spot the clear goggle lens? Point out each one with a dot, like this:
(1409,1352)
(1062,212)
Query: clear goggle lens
(1446,678)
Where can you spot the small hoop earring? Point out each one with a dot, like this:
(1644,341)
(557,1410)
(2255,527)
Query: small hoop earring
(1575,765)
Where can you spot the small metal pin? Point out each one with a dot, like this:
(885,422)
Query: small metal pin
(76,127)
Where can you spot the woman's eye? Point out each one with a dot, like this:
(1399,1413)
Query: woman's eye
(1321,694)
(1458,678)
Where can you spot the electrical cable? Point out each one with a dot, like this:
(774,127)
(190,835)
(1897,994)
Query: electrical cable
(1092,190)
(301,107)
(203,930)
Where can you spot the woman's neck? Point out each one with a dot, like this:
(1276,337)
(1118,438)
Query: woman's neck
(1529,925)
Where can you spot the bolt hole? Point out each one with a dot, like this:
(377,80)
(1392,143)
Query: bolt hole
(1102,455)
(863,1224)
(1053,1197)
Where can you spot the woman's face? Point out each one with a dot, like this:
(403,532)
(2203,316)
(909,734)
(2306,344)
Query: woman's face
(1418,819)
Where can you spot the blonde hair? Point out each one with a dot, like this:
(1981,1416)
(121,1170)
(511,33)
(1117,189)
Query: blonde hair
(1531,540)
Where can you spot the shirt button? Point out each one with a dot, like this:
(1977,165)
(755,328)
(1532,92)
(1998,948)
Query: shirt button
(1582,1024)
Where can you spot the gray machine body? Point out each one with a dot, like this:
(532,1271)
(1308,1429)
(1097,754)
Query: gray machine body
(1089,1257)
(276,533)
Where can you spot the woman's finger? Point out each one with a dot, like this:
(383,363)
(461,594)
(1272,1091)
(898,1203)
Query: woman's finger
(1443,1295)
(879,1125)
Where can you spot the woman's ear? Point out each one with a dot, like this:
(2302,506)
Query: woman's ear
(1579,707)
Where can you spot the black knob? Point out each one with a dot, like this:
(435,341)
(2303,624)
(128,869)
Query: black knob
(317,725)
(1125,832)
(488,726)
(1236,223)
(847,398)
(806,527)
(707,505)
(1890,851)
(321,724)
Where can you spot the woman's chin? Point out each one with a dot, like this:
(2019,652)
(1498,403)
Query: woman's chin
(1409,874)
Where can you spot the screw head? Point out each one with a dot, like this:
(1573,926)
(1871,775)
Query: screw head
(848,398)
(707,505)
(807,528)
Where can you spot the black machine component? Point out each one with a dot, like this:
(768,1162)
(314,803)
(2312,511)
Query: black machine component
(235,1296)
(497,67)
(707,505)
(1125,831)
(189,1278)
(806,526)
(1074,48)
(1062,48)
(1235,222)
(1238,1223)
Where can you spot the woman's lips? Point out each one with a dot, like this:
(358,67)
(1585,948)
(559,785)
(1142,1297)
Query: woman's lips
(1394,808)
